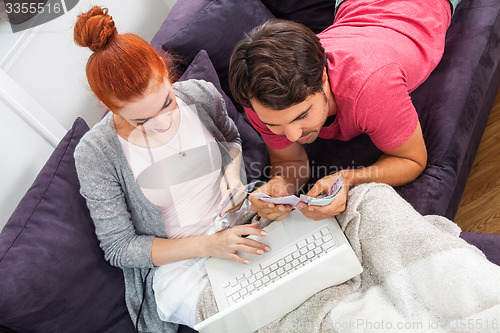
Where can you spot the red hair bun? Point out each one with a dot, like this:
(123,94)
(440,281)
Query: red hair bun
(94,29)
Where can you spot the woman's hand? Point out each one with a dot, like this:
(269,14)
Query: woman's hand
(233,195)
(336,207)
(225,243)
(230,185)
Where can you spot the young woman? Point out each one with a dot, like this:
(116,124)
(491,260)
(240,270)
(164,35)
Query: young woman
(155,172)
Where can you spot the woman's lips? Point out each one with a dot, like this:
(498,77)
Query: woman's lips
(160,130)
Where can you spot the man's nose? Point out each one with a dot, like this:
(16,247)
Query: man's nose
(292,133)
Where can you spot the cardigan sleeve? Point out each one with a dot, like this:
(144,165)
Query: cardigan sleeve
(101,187)
(221,118)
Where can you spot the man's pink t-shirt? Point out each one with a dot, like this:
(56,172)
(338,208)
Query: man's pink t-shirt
(378,52)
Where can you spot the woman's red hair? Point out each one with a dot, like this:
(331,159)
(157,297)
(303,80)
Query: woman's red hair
(122,67)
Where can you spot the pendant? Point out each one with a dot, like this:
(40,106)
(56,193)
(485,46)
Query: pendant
(182,153)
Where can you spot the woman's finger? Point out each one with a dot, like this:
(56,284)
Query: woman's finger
(251,249)
(239,259)
(248,229)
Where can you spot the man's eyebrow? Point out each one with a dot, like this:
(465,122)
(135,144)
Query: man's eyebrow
(300,116)
(166,104)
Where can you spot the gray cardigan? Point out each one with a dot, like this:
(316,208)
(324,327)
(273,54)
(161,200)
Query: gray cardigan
(126,222)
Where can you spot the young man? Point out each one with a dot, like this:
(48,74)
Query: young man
(355,77)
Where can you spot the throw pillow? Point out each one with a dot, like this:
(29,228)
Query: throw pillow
(315,14)
(54,276)
(216,28)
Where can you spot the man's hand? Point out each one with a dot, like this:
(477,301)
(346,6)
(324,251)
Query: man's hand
(336,207)
(276,187)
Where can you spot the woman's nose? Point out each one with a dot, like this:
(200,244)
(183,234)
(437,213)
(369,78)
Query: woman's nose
(161,121)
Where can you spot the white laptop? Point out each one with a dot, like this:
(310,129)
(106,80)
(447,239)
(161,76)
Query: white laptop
(306,256)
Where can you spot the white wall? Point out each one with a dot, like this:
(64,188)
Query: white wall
(43,88)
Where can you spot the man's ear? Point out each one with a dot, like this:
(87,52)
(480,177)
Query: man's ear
(251,106)
(326,82)
(329,94)
(325,76)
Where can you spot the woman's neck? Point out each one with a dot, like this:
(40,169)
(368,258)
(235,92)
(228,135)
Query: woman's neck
(137,136)
(122,127)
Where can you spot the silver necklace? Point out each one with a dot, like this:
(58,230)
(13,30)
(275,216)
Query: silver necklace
(179,151)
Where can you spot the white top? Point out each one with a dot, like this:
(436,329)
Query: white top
(186,189)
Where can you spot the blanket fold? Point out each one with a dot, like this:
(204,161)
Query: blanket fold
(419,276)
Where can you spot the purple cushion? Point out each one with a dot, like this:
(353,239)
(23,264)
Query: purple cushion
(254,150)
(178,18)
(315,14)
(488,243)
(54,276)
(217,27)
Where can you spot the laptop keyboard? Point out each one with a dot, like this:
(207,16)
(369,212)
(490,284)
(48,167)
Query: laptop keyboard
(274,268)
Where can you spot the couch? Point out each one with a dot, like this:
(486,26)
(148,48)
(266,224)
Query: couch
(53,274)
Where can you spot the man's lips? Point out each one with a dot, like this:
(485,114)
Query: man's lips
(304,139)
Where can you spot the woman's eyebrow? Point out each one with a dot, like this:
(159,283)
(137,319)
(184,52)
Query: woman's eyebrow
(168,101)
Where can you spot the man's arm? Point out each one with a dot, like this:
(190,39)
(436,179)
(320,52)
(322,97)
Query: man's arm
(386,113)
(396,167)
(289,172)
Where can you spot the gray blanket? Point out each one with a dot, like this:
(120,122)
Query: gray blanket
(419,276)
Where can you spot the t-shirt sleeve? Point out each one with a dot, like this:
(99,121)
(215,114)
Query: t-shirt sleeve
(272,140)
(384,109)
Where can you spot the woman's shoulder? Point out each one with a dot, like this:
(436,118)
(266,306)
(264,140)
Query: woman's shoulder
(98,138)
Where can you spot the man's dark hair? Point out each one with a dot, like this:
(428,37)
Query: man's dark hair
(279,63)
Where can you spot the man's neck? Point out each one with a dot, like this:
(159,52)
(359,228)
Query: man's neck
(332,105)
(330,120)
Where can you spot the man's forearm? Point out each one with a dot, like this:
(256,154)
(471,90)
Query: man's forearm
(295,173)
(391,170)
